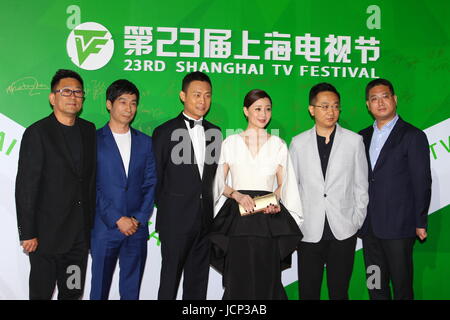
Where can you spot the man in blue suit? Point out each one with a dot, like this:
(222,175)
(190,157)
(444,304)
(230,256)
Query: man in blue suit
(126,180)
(399,194)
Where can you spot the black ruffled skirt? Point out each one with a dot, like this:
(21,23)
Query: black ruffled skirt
(251,251)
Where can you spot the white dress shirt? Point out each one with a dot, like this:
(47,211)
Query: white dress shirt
(379,138)
(197,134)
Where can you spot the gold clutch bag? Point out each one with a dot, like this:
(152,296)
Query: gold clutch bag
(261,203)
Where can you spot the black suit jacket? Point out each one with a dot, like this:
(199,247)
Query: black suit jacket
(54,200)
(400,183)
(183,199)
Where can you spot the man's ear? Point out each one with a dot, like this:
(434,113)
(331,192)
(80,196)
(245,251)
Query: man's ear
(311,110)
(51,98)
(109,105)
(182,96)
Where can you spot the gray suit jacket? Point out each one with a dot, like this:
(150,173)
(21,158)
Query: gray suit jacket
(343,196)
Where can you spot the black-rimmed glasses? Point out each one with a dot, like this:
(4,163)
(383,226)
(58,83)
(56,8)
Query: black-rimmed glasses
(66,92)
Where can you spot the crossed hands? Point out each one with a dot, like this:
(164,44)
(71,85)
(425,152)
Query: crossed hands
(248,203)
(128,226)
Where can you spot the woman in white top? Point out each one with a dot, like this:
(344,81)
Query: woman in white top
(251,251)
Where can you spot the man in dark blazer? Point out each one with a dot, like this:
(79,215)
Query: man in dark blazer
(55,192)
(126,182)
(399,194)
(186,149)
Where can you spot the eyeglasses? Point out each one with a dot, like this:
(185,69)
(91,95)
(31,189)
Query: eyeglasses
(66,92)
(327,107)
(384,96)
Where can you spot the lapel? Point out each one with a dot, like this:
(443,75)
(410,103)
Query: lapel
(133,151)
(316,168)
(112,151)
(390,142)
(332,162)
(367,138)
(193,162)
(61,141)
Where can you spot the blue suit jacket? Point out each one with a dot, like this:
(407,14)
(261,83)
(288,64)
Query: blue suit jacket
(400,183)
(119,195)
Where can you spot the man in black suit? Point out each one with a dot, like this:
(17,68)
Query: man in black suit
(55,192)
(186,150)
(399,194)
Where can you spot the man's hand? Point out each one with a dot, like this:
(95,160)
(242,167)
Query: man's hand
(128,226)
(30,245)
(421,233)
(136,221)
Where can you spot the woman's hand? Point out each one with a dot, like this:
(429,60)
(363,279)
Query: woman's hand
(272,209)
(244,200)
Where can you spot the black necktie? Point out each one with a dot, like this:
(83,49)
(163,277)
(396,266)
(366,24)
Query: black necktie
(193,123)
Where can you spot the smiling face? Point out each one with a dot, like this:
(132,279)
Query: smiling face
(196,99)
(382,103)
(70,106)
(259,113)
(123,109)
(325,118)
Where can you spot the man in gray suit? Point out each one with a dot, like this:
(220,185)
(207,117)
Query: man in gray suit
(331,169)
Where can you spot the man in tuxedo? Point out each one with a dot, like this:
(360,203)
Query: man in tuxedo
(126,182)
(399,194)
(331,168)
(186,149)
(55,192)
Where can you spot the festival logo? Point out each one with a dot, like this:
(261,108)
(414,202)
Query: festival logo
(90,46)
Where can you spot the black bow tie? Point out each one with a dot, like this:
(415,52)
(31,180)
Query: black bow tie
(193,123)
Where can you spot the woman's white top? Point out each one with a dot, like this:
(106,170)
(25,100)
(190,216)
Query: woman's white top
(258,172)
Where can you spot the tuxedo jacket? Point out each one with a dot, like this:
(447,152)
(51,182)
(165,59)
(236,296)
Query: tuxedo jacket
(342,195)
(399,184)
(184,199)
(119,195)
(54,200)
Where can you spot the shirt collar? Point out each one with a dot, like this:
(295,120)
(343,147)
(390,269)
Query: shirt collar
(387,126)
(331,135)
(191,117)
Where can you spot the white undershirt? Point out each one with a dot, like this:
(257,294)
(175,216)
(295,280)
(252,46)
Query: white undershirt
(123,141)
(197,134)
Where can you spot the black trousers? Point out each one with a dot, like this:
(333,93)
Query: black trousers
(392,261)
(188,255)
(338,256)
(67,270)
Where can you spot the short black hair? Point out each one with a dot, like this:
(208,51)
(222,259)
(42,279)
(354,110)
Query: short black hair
(62,74)
(194,76)
(120,87)
(379,82)
(321,87)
